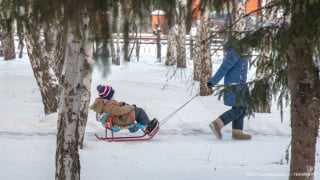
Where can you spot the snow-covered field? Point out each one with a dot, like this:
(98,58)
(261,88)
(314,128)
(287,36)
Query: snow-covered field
(184,148)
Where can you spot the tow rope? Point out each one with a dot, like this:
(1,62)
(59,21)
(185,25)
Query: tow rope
(177,110)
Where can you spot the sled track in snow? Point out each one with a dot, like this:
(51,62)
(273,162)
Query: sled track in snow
(194,132)
(4,133)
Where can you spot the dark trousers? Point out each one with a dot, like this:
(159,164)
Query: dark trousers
(141,116)
(234,115)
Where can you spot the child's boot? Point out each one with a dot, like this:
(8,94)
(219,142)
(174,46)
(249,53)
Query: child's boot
(152,125)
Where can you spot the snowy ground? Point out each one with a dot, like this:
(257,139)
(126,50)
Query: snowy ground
(184,149)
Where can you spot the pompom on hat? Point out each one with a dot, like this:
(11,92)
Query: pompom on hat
(105,92)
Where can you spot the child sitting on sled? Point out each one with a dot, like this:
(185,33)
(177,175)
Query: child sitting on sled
(117,115)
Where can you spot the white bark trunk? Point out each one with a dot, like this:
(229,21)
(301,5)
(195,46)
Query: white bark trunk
(9,49)
(7,36)
(197,55)
(239,12)
(116,50)
(205,54)
(85,86)
(76,69)
(171,57)
(55,43)
(42,64)
(181,37)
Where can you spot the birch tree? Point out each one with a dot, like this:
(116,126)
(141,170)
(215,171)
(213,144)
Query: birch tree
(115,50)
(45,42)
(76,73)
(7,29)
(171,56)
(181,36)
(204,54)
(197,55)
(9,52)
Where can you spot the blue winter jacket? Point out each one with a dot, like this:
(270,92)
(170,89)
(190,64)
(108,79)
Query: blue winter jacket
(234,70)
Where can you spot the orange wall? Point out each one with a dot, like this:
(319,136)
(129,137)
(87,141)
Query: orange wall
(195,9)
(252,5)
(158,21)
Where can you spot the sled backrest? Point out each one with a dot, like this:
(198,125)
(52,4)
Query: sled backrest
(105,119)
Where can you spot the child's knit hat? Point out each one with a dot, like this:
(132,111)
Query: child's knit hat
(105,92)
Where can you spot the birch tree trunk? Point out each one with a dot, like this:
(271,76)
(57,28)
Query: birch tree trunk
(126,10)
(239,12)
(7,39)
(204,53)
(48,84)
(111,40)
(21,38)
(158,42)
(138,44)
(41,61)
(85,88)
(46,49)
(1,47)
(9,52)
(115,51)
(102,33)
(171,56)
(55,43)
(181,36)
(117,59)
(197,53)
(75,73)
(114,55)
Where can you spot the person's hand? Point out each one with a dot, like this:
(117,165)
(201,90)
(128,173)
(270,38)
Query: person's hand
(209,85)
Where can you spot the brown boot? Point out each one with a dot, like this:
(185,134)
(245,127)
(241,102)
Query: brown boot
(216,126)
(237,134)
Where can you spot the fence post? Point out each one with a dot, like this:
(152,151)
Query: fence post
(157,32)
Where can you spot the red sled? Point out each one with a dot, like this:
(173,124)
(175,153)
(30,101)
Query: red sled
(112,138)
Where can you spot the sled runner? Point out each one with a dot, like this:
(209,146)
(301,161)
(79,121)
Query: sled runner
(143,132)
(112,138)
